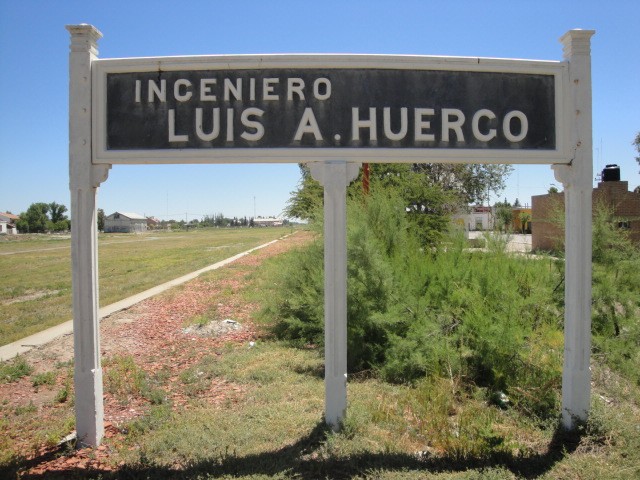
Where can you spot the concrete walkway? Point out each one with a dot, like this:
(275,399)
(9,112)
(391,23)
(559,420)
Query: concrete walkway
(516,241)
(40,338)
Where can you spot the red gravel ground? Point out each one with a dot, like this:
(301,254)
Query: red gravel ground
(152,334)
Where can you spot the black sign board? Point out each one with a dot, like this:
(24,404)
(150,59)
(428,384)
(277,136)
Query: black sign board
(329,108)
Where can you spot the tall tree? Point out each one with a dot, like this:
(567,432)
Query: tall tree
(504,215)
(35,219)
(525,218)
(430,192)
(463,184)
(100,219)
(58,221)
(57,212)
(305,203)
(636,143)
(472,182)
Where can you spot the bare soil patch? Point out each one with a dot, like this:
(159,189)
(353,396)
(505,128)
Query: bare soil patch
(31,296)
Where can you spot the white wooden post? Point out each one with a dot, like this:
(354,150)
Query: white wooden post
(577,178)
(334,176)
(84,180)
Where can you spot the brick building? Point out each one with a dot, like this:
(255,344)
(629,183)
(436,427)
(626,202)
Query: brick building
(548,210)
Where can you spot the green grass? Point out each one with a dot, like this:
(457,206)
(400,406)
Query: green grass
(35,287)
(434,429)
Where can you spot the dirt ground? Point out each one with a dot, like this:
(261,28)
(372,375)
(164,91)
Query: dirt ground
(154,333)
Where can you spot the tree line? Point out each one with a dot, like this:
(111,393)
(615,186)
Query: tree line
(219,220)
(431,193)
(43,217)
(636,143)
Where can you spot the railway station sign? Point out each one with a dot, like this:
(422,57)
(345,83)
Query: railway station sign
(334,112)
(291,109)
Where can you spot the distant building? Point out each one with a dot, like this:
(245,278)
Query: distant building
(519,214)
(549,208)
(267,222)
(8,223)
(123,222)
(153,223)
(475,218)
(479,218)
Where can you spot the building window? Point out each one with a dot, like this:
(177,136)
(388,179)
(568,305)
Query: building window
(624,225)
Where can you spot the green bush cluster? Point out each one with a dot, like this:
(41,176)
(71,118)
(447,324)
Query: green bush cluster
(487,319)
(616,294)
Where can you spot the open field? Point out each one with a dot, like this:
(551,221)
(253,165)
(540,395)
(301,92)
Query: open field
(185,405)
(35,286)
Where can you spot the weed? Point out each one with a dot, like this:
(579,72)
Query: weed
(123,377)
(198,320)
(156,396)
(14,370)
(64,393)
(496,242)
(44,378)
(58,430)
(25,409)
(157,416)
(195,380)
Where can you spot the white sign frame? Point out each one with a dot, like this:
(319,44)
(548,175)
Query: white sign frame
(102,67)
(89,164)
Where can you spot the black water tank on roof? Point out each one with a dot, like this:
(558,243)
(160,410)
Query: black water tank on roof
(611,173)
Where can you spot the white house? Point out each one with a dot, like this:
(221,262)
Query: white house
(8,223)
(124,222)
(267,222)
(475,218)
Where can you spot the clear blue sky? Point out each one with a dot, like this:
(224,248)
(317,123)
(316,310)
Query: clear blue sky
(34,81)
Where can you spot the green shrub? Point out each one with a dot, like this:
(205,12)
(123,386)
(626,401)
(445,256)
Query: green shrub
(375,235)
(297,300)
(486,319)
(616,294)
